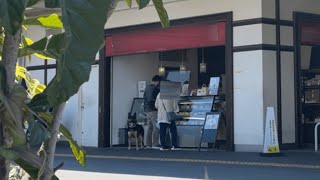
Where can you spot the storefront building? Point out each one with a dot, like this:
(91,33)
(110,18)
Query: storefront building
(260,48)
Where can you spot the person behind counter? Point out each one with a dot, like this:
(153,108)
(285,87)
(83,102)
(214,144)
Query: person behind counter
(164,106)
(150,96)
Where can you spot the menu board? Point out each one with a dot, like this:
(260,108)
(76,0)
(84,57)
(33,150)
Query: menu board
(210,128)
(212,121)
(214,85)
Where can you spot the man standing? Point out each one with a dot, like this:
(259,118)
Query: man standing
(150,96)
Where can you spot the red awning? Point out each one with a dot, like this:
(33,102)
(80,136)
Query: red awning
(310,33)
(154,40)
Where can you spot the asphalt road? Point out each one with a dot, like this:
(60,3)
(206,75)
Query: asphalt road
(100,168)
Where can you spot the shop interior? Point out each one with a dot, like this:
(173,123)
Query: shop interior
(136,70)
(310,80)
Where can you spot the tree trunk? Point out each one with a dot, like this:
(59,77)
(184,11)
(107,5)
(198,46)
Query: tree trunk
(10,55)
(49,146)
(9,60)
(4,168)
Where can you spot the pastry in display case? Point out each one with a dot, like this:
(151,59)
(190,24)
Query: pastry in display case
(193,110)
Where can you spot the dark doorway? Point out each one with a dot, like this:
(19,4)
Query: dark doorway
(307,76)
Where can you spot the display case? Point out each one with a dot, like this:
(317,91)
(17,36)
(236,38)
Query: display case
(193,109)
(311,95)
(310,102)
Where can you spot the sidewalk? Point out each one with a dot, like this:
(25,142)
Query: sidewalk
(299,157)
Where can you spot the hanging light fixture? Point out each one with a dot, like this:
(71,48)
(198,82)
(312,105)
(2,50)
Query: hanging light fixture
(203,65)
(162,70)
(182,66)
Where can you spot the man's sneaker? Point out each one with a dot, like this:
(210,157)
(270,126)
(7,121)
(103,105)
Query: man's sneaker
(175,149)
(164,149)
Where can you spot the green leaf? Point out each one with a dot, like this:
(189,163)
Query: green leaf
(11,14)
(142,3)
(27,160)
(162,12)
(8,153)
(77,151)
(13,102)
(27,42)
(84,34)
(52,47)
(32,2)
(129,3)
(39,103)
(37,133)
(16,132)
(51,21)
(52,3)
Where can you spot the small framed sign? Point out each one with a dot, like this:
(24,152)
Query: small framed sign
(214,85)
(210,128)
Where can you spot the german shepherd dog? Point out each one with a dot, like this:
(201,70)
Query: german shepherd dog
(135,131)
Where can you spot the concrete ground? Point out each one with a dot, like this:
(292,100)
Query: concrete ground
(119,163)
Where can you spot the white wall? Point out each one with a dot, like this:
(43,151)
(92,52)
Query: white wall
(289,6)
(37,74)
(254,34)
(269,9)
(269,82)
(248,104)
(286,35)
(126,72)
(71,117)
(177,9)
(288,97)
(89,109)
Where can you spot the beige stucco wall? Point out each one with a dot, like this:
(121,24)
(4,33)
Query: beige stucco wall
(177,9)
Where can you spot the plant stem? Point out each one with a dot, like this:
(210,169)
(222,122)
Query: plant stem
(49,146)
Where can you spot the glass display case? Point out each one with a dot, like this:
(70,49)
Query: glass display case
(310,103)
(311,95)
(193,109)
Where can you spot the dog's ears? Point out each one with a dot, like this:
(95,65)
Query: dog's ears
(129,115)
(135,115)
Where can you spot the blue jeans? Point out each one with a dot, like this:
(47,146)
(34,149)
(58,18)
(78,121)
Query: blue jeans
(173,131)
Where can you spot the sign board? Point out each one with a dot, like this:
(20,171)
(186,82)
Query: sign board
(178,76)
(210,128)
(214,85)
(141,88)
(271,144)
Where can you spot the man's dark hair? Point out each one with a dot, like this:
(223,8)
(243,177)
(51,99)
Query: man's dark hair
(156,78)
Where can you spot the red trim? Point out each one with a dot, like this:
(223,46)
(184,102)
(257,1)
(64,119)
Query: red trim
(180,37)
(310,33)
